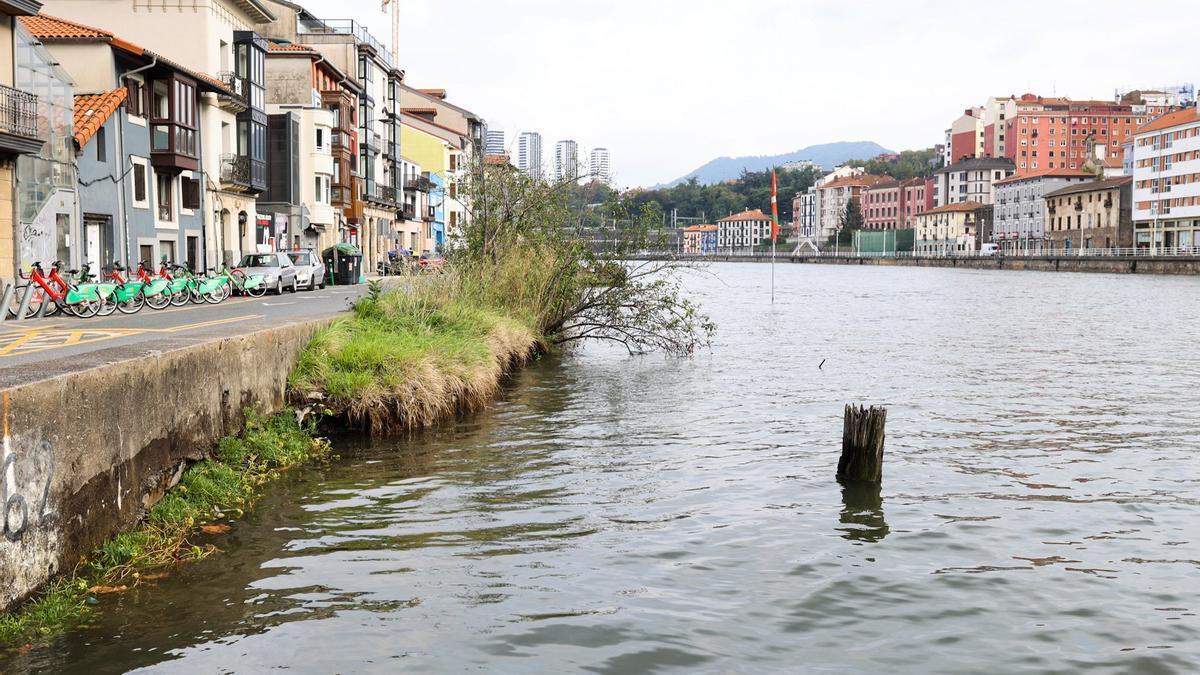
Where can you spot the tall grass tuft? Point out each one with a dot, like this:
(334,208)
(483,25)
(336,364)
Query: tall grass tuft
(413,355)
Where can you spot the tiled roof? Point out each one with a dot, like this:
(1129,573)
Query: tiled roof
(754,214)
(957,207)
(279,47)
(93,110)
(1174,119)
(701,228)
(45,27)
(436,93)
(1061,172)
(1090,186)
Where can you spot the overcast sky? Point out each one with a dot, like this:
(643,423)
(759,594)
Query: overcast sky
(667,85)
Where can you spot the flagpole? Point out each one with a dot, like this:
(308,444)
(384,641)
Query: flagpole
(774,227)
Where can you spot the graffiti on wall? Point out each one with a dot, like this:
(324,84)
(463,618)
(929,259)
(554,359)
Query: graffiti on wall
(26,474)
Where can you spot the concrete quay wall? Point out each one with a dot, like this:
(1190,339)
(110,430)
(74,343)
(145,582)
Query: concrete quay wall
(85,454)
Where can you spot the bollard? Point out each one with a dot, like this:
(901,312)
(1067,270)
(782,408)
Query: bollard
(25,298)
(862,444)
(6,298)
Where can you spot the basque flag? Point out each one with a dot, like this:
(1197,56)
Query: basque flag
(774,207)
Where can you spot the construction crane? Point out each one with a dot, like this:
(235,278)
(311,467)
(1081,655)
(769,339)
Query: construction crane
(395,9)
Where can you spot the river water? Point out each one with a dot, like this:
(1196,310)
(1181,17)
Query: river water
(1040,510)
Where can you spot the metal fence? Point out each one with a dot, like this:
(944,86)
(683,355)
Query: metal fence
(1178,252)
(18,112)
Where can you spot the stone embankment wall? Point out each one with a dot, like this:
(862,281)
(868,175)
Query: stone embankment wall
(1184,265)
(86,453)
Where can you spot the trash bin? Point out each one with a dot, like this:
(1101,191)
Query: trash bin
(348,268)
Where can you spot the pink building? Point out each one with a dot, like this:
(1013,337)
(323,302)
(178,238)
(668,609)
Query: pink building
(892,204)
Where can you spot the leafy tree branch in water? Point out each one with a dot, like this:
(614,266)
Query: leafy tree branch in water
(559,254)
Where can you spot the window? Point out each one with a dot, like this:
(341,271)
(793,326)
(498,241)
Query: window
(165,188)
(320,139)
(101,146)
(173,113)
(190,199)
(146,254)
(139,182)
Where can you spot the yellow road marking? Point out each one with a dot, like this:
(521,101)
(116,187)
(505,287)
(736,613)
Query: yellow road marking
(33,341)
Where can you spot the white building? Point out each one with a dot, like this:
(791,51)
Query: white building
(970,180)
(1019,217)
(599,166)
(566,160)
(743,230)
(1166,185)
(495,142)
(529,154)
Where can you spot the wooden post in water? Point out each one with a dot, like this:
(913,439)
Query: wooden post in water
(862,444)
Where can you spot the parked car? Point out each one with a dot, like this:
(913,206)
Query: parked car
(276,268)
(431,262)
(989,249)
(310,271)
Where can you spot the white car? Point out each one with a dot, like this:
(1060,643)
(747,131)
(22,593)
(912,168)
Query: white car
(310,271)
(989,249)
(277,270)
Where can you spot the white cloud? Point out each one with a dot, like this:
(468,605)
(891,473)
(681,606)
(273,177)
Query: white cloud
(667,85)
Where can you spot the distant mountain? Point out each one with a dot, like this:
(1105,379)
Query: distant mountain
(828,155)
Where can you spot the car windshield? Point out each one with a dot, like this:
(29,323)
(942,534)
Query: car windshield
(263,260)
(299,258)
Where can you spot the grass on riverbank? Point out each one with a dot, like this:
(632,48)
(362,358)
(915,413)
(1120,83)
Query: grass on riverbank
(227,483)
(412,356)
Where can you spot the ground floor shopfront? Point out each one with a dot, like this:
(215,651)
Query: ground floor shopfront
(1167,235)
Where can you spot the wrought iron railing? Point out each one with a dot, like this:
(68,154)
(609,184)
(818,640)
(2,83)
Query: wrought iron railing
(235,169)
(18,112)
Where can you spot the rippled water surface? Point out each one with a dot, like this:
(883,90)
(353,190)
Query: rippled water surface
(1039,511)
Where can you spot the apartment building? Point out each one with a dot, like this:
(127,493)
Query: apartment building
(1166,182)
(135,129)
(19,132)
(743,231)
(700,240)
(805,209)
(1095,214)
(529,154)
(221,38)
(1019,219)
(892,204)
(947,230)
(1054,133)
(969,180)
(836,194)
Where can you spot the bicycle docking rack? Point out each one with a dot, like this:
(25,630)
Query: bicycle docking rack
(7,292)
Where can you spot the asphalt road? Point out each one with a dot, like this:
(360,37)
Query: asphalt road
(43,348)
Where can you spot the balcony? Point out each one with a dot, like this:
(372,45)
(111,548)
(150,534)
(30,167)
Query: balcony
(408,212)
(240,101)
(243,174)
(339,141)
(421,183)
(378,192)
(428,214)
(18,122)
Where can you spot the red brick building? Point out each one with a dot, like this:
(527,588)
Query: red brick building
(892,204)
(1055,133)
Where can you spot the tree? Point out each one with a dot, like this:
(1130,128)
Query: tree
(522,248)
(850,221)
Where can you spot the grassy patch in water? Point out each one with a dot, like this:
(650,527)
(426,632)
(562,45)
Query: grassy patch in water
(411,356)
(229,482)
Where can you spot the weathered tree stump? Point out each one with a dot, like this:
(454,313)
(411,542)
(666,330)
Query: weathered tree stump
(862,444)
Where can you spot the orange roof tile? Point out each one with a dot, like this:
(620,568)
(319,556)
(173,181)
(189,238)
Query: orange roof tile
(701,228)
(861,180)
(291,47)
(754,214)
(45,27)
(436,93)
(93,110)
(1174,119)
(956,207)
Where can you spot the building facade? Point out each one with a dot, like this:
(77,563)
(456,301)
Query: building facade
(1091,215)
(494,143)
(20,132)
(835,195)
(1054,133)
(599,167)
(529,155)
(743,231)
(1020,214)
(947,230)
(700,240)
(969,180)
(804,214)
(566,161)
(1166,182)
